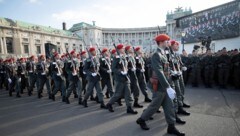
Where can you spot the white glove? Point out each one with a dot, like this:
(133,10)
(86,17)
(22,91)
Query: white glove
(94,74)
(171,93)
(142,70)
(184,68)
(179,73)
(124,73)
(10,80)
(84,73)
(43,73)
(19,79)
(174,73)
(109,71)
(58,74)
(74,74)
(133,69)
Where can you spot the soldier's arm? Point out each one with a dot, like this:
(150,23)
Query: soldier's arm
(102,68)
(115,67)
(158,69)
(86,67)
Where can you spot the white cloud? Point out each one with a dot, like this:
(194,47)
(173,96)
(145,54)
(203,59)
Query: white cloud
(33,1)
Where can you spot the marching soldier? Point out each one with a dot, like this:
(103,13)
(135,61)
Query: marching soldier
(2,73)
(83,55)
(43,76)
(21,81)
(31,69)
(195,69)
(73,77)
(57,76)
(135,88)
(11,76)
(122,81)
(106,72)
(140,71)
(163,94)
(176,74)
(93,77)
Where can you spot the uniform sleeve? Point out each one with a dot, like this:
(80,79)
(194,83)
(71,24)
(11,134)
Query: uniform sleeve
(86,67)
(158,69)
(115,66)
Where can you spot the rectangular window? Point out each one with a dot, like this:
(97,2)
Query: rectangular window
(58,43)
(9,43)
(38,49)
(26,49)
(25,40)
(37,41)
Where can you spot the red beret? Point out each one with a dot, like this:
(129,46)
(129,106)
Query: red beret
(127,47)
(162,38)
(83,52)
(172,42)
(22,59)
(113,51)
(63,55)
(91,49)
(55,54)
(32,56)
(104,50)
(72,52)
(119,46)
(41,56)
(137,48)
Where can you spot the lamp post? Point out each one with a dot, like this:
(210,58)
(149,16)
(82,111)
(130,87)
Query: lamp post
(183,35)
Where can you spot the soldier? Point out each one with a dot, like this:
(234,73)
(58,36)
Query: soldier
(122,81)
(82,73)
(73,78)
(208,63)
(43,76)
(31,70)
(21,81)
(223,63)
(57,76)
(106,72)
(185,60)
(195,69)
(93,77)
(11,76)
(140,71)
(2,73)
(176,79)
(163,94)
(236,68)
(135,88)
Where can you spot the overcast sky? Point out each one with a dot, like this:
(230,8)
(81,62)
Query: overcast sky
(106,13)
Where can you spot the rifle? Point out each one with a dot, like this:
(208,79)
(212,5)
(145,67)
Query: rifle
(118,53)
(72,63)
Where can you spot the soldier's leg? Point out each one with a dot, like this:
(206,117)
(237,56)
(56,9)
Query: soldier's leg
(211,77)
(178,93)
(226,77)
(89,89)
(157,100)
(110,87)
(41,82)
(220,77)
(79,90)
(118,92)
(57,87)
(168,108)
(84,83)
(18,86)
(143,87)
(48,85)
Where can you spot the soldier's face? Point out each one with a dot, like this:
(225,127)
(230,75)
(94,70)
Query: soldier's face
(93,53)
(121,51)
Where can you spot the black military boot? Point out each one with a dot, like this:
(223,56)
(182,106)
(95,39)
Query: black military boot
(173,130)
(136,104)
(63,99)
(75,96)
(96,99)
(182,111)
(119,102)
(92,98)
(50,96)
(142,124)
(80,101)
(18,95)
(10,93)
(29,92)
(67,100)
(85,103)
(131,111)
(147,99)
(40,95)
(179,121)
(186,105)
(53,97)
(110,108)
(103,106)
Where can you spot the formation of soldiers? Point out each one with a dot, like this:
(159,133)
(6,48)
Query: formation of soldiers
(123,72)
(221,69)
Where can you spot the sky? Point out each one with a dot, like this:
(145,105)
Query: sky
(106,13)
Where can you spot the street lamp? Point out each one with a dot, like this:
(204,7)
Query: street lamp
(183,35)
